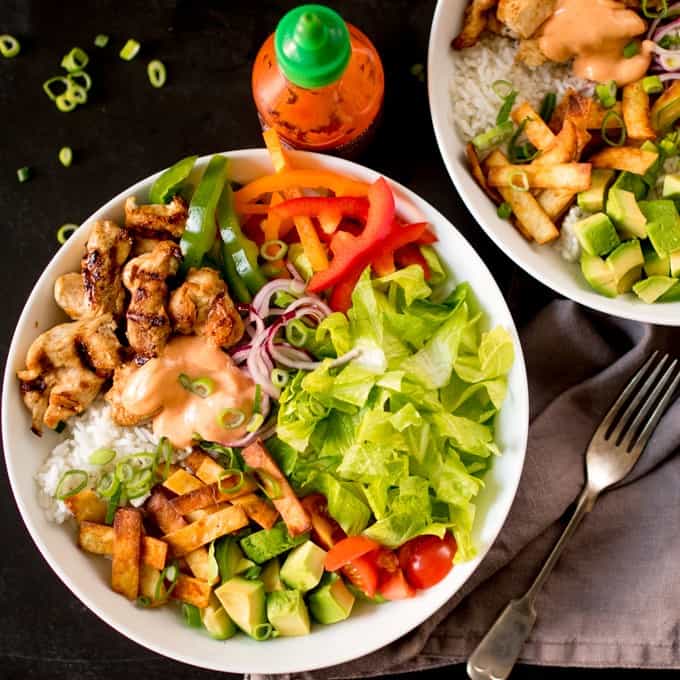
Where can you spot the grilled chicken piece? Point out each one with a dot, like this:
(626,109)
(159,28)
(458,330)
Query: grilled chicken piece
(524,17)
(144,245)
(148,325)
(69,292)
(66,367)
(156,221)
(120,415)
(202,305)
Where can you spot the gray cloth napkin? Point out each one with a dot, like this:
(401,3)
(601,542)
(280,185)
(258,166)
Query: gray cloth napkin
(614,597)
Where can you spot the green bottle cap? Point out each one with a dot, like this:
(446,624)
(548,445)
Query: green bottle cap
(312,46)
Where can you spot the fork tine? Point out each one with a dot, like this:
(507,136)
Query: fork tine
(628,390)
(653,421)
(622,425)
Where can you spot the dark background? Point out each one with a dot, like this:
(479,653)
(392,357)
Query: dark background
(127,131)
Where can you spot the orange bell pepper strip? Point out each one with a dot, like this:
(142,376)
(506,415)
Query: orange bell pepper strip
(383,262)
(410,254)
(328,210)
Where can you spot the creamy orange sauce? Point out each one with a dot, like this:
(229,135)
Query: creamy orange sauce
(595,32)
(156,386)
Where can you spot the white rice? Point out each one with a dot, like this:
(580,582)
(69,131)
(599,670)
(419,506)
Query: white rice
(92,430)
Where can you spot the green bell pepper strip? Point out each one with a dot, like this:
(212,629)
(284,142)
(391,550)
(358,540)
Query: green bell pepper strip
(240,253)
(200,230)
(169,183)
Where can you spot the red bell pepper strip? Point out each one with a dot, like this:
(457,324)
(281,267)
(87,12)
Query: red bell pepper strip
(341,297)
(428,238)
(383,262)
(357,251)
(410,254)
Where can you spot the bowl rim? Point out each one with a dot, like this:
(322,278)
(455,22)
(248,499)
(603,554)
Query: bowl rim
(81,592)
(478,203)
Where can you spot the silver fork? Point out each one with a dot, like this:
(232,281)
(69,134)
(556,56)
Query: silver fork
(613,451)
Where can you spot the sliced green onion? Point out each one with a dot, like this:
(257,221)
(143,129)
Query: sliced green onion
(228,474)
(75,60)
(262,632)
(283,298)
(631,49)
(257,400)
(141,481)
(652,85)
(485,141)
(143,601)
(108,485)
(130,50)
(124,472)
(171,573)
(140,461)
(61,426)
(231,418)
(524,181)
(202,387)
(269,485)
(164,452)
(47,86)
(280,250)
(65,103)
(504,211)
(101,40)
(115,499)
(661,14)
(606,93)
(76,76)
(622,137)
(66,156)
(279,377)
(297,333)
(506,108)
(191,615)
(76,93)
(225,452)
(157,73)
(71,482)
(502,88)
(65,232)
(9,46)
(101,456)
(24,174)
(548,106)
(255,422)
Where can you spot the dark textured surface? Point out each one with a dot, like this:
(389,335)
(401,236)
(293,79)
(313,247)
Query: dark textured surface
(127,131)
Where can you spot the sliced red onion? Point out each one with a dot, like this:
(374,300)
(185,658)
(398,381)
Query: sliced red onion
(672,27)
(265,431)
(665,77)
(653,26)
(670,64)
(282,358)
(261,302)
(294,272)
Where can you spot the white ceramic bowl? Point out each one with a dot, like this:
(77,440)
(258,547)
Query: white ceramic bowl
(544,263)
(369,627)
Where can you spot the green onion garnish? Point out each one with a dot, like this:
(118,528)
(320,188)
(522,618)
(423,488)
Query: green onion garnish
(297,333)
(124,472)
(652,85)
(66,156)
(191,615)
(24,174)
(144,460)
(130,50)
(523,181)
(81,79)
(101,40)
(228,474)
(47,86)
(255,422)
(61,426)
(606,93)
(485,141)
(9,46)
(164,452)
(101,456)
(548,106)
(521,153)
(157,73)
(115,499)
(506,108)
(273,250)
(252,573)
(75,60)
(502,88)
(631,49)
(202,387)
(661,14)
(172,572)
(262,632)
(223,452)
(504,211)
(65,103)
(71,482)
(622,137)
(230,418)
(279,378)
(65,232)
(108,485)
(269,485)
(143,601)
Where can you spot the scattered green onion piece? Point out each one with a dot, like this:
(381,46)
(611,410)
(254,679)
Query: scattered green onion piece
(24,174)
(224,452)
(157,73)
(115,499)
(669,144)
(74,77)
(65,232)
(137,491)
(269,485)
(9,46)
(164,452)
(504,211)
(64,490)
(262,632)
(230,418)
(108,485)
(524,185)
(143,601)
(130,50)
(61,426)
(141,482)
(144,460)
(652,85)
(255,422)
(661,14)
(502,88)
(75,60)
(191,615)
(252,573)
(101,456)
(66,156)
(202,387)
(280,251)
(171,573)
(521,153)
(622,138)
(631,49)
(101,40)
(47,86)
(257,400)
(65,103)
(493,137)
(76,93)
(283,298)
(548,106)
(297,333)
(506,108)
(228,474)
(279,377)
(606,93)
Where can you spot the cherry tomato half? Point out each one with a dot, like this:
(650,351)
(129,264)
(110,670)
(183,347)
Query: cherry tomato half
(396,587)
(326,532)
(363,573)
(347,550)
(426,560)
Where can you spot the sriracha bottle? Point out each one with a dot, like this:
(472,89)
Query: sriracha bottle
(319,82)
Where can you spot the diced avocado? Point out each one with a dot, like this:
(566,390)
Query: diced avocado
(270,576)
(263,545)
(303,567)
(654,169)
(598,274)
(626,258)
(592,200)
(660,210)
(674,264)
(596,234)
(244,602)
(331,601)
(216,620)
(628,280)
(287,612)
(631,182)
(230,559)
(666,109)
(663,225)
(655,265)
(651,289)
(671,186)
(673,294)
(625,213)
